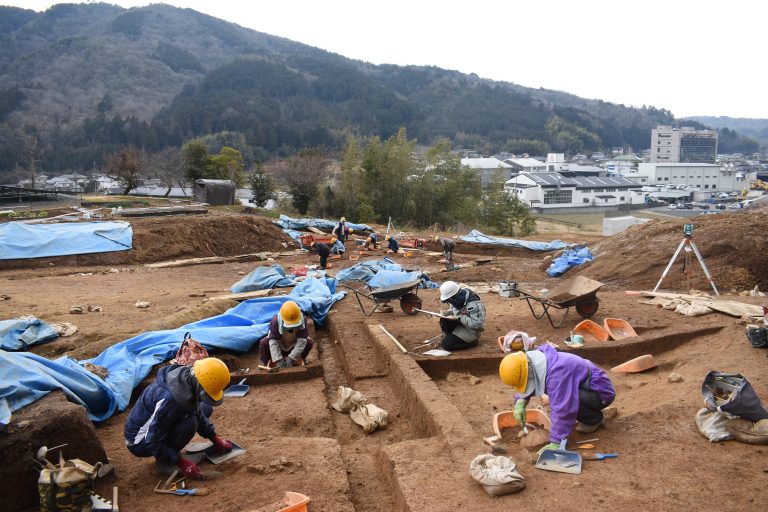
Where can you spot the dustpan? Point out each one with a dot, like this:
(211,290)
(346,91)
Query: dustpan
(240,389)
(591,331)
(506,419)
(291,502)
(618,329)
(560,460)
(638,364)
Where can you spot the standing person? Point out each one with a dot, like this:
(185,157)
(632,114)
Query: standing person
(347,231)
(393,245)
(467,317)
(372,242)
(173,408)
(448,247)
(323,251)
(578,389)
(337,247)
(287,343)
(339,230)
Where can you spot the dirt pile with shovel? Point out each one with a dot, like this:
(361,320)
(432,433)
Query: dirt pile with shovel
(733,245)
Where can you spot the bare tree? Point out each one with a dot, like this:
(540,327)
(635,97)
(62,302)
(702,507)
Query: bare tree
(32,148)
(168,167)
(126,166)
(303,173)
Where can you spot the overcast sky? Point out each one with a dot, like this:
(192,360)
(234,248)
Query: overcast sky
(691,57)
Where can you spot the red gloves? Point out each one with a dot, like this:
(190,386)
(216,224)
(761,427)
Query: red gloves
(189,469)
(221,444)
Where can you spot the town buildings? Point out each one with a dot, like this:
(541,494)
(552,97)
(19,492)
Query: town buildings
(673,145)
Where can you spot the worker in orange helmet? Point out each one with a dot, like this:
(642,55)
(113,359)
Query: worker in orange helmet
(287,343)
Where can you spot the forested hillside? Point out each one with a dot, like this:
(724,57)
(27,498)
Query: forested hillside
(78,82)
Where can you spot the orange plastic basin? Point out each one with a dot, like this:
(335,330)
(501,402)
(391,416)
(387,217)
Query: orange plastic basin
(591,331)
(638,364)
(506,419)
(618,329)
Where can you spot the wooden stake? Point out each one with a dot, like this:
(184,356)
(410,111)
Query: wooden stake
(402,348)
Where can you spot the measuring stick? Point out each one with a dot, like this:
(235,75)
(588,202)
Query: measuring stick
(402,348)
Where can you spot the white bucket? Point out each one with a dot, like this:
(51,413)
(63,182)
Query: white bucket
(508,289)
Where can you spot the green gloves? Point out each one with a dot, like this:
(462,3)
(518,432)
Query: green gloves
(519,412)
(550,446)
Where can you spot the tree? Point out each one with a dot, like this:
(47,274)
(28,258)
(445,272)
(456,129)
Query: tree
(303,173)
(262,187)
(195,158)
(227,165)
(126,166)
(504,213)
(168,167)
(386,170)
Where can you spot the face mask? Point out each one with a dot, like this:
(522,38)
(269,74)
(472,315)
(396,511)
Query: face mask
(207,399)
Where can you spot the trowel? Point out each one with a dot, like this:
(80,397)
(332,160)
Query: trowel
(560,460)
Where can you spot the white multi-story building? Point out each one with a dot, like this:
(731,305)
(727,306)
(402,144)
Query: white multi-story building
(526,165)
(672,145)
(698,176)
(486,168)
(553,190)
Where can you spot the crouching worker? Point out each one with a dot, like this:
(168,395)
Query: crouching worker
(393,246)
(337,247)
(172,409)
(323,251)
(372,242)
(287,343)
(467,317)
(578,389)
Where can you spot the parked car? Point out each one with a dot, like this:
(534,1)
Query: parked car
(672,206)
(687,206)
(735,206)
(720,206)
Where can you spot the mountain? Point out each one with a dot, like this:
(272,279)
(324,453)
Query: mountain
(754,128)
(79,81)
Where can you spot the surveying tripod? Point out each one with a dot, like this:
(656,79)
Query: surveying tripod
(689,245)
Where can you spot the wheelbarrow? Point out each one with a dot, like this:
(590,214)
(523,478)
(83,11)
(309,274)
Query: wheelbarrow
(405,292)
(580,292)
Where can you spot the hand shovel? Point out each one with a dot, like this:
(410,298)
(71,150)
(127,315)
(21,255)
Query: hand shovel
(240,389)
(560,460)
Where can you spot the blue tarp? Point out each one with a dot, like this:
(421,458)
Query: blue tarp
(478,237)
(570,258)
(381,273)
(286,222)
(20,333)
(263,278)
(19,240)
(128,362)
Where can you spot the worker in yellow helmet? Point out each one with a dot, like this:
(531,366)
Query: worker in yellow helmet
(578,389)
(287,343)
(372,242)
(172,409)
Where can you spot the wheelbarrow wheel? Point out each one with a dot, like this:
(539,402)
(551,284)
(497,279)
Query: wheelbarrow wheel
(587,309)
(409,303)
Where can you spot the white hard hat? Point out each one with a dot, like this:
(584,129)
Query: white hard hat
(447,290)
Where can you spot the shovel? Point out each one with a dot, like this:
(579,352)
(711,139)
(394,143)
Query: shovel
(240,389)
(560,460)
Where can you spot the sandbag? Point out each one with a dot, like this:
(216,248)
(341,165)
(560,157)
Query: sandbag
(369,416)
(692,309)
(347,399)
(497,474)
(711,424)
(747,431)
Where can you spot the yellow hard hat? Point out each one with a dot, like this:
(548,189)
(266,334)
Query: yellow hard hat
(369,240)
(291,315)
(387,237)
(213,376)
(351,230)
(343,219)
(437,238)
(513,370)
(333,240)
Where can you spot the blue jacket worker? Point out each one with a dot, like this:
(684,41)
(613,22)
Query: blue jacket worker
(172,409)
(392,244)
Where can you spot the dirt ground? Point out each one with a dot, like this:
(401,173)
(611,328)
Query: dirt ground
(296,442)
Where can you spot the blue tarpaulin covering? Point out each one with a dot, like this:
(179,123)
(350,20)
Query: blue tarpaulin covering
(380,273)
(20,333)
(286,222)
(569,259)
(478,237)
(19,240)
(263,278)
(238,329)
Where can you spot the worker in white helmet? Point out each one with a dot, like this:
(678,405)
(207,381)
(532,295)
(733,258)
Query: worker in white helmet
(466,317)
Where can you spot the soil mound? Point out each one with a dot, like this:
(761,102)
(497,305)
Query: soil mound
(177,237)
(734,247)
